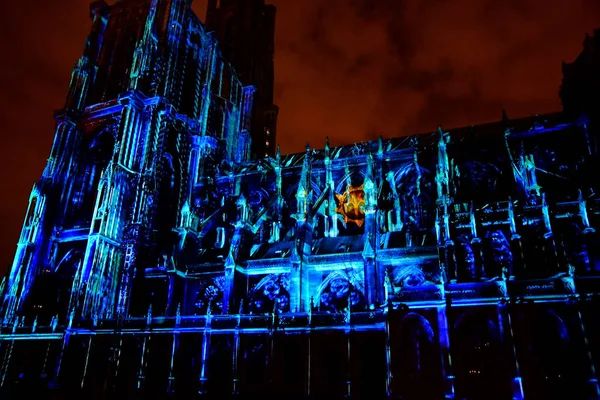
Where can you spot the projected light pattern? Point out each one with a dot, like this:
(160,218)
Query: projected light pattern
(350,205)
(158,257)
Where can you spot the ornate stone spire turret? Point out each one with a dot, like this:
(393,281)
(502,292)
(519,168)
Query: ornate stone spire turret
(299,280)
(374,275)
(395,223)
(584,214)
(443,184)
(304,187)
(369,186)
(146,50)
(443,166)
(331,228)
(278,205)
(172,88)
(278,184)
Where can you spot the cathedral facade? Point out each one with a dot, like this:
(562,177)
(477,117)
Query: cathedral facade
(170,250)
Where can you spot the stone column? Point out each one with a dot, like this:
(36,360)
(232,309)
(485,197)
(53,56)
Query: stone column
(592,382)
(205,353)
(388,351)
(174,348)
(444,338)
(508,341)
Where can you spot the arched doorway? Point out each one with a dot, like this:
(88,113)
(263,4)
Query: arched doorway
(65,272)
(51,290)
(94,160)
(418,368)
(478,361)
(553,370)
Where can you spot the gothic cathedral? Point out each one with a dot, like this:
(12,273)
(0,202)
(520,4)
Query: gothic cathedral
(170,249)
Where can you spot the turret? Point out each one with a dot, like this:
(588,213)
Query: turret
(374,277)
(299,280)
(395,223)
(146,50)
(278,205)
(370,187)
(304,187)
(174,35)
(331,228)
(443,185)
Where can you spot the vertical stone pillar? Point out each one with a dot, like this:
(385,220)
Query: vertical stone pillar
(205,354)
(349,331)
(444,338)
(82,78)
(374,290)
(508,341)
(114,361)
(309,355)
(331,226)
(299,283)
(5,363)
(127,274)
(87,361)
(59,361)
(174,348)
(141,379)
(592,381)
(477,247)
(228,295)
(24,269)
(450,259)
(234,363)
(299,278)
(389,384)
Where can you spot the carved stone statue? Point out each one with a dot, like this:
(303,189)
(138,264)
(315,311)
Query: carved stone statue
(466,259)
(501,254)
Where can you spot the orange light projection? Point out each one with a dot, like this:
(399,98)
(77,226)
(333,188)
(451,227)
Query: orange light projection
(350,205)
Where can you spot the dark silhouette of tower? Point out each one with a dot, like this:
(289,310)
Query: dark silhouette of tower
(245,30)
(581,81)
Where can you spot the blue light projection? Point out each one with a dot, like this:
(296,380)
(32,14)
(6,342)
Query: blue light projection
(157,256)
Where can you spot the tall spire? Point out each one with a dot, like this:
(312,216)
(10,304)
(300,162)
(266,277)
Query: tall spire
(145,49)
(150,29)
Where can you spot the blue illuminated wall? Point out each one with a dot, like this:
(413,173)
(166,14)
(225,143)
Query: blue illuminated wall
(158,256)
(93,217)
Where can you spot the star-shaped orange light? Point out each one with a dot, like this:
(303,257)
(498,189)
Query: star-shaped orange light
(350,205)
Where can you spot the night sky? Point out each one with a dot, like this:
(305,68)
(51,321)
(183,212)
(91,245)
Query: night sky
(348,69)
